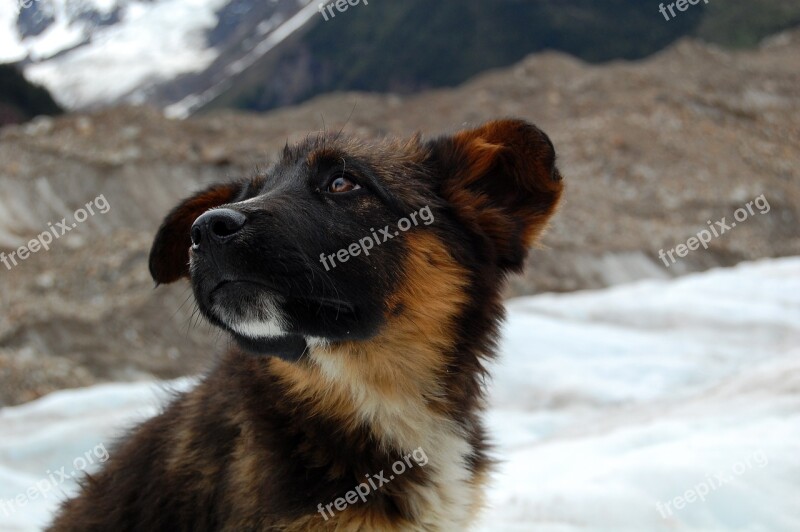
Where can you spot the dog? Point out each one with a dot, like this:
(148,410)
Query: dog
(351,365)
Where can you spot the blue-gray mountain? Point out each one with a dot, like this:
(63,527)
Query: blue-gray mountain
(259,55)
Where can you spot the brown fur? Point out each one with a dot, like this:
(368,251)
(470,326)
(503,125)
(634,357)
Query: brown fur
(262,441)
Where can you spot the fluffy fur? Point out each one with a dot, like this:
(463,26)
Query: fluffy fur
(336,374)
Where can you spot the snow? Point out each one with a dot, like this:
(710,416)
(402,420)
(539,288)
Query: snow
(156,41)
(39,438)
(11,49)
(606,406)
(86,65)
(67,30)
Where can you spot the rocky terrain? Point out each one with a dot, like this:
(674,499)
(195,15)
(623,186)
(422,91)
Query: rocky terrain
(651,150)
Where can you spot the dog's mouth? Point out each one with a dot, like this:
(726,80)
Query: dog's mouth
(240,286)
(269,317)
(254,288)
(257,303)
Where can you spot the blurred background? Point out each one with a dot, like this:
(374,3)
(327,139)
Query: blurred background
(662,125)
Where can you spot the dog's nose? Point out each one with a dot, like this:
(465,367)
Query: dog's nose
(216,226)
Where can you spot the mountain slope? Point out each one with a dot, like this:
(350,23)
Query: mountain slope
(743,23)
(415,44)
(185,55)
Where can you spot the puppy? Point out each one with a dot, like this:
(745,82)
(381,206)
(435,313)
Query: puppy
(361,283)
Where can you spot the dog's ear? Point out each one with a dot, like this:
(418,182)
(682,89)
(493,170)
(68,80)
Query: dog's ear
(169,256)
(502,182)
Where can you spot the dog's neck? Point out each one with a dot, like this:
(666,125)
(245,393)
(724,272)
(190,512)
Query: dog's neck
(389,388)
(415,385)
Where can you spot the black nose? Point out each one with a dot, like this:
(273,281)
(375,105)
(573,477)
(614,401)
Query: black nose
(217,226)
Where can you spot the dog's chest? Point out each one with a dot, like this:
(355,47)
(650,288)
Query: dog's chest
(406,423)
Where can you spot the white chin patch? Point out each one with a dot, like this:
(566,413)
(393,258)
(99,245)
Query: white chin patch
(266,322)
(259,329)
(314,341)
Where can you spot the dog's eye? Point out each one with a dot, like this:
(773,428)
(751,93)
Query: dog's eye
(341,185)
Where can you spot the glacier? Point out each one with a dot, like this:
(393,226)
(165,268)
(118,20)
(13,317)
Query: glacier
(607,409)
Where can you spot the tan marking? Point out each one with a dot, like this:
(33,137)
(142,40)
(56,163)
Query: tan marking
(393,384)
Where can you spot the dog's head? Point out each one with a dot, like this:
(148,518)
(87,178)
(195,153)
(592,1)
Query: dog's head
(317,248)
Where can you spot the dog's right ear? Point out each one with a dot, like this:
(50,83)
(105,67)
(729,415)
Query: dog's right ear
(502,181)
(169,256)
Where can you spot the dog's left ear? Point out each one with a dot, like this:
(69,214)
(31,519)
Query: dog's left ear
(169,256)
(502,182)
